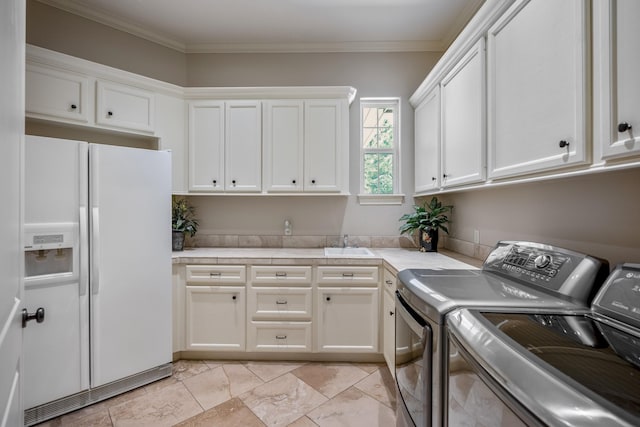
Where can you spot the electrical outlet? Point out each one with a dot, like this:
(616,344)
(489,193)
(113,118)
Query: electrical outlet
(476,236)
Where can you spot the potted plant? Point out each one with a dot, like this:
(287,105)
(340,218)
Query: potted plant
(182,221)
(427,220)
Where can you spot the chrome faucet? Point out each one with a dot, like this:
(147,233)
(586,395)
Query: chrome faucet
(345,241)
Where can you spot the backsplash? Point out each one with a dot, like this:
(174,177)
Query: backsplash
(201,240)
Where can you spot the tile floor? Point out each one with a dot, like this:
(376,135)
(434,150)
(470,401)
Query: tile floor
(251,394)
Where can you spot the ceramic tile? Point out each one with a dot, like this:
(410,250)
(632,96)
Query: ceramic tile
(210,388)
(353,408)
(260,241)
(370,367)
(231,413)
(283,400)
(213,363)
(74,417)
(381,386)
(160,384)
(330,378)
(270,370)
(385,241)
(165,407)
(304,241)
(303,422)
(183,369)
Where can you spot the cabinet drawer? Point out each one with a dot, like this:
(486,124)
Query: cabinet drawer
(124,107)
(349,276)
(389,280)
(211,274)
(279,336)
(279,303)
(281,275)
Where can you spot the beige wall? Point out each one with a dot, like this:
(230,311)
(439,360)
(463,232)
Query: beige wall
(64,32)
(597,214)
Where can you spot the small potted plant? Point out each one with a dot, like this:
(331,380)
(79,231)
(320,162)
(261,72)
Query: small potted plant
(182,221)
(427,220)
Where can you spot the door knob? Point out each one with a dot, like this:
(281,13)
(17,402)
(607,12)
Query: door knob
(38,316)
(624,126)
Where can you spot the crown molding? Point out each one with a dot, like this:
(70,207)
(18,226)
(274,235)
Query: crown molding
(76,7)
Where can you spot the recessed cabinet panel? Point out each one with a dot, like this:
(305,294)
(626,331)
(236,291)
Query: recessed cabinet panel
(124,107)
(537,68)
(347,320)
(206,146)
(284,145)
(216,318)
(463,120)
(280,303)
(617,106)
(427,143)
(323,145)
(212,274)
(285,275)
(56,94)
(347,276)
(279,336)
(243,146)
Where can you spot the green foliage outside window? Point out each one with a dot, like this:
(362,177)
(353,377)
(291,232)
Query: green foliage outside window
(378,144)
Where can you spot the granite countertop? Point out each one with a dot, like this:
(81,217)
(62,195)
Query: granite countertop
(395,258)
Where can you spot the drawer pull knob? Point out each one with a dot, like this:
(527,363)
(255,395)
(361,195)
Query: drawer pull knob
(281,274)
(281,337)
(388,282)
(347,274)
(215,274)
(281,301)
(74,106)
(391,313)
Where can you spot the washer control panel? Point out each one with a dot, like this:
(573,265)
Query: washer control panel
(556,269)
(619,297)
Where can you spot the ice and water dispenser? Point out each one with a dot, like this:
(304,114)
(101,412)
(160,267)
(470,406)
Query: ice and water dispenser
(49,252)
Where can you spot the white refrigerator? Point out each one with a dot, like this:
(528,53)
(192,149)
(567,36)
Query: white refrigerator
(98,261)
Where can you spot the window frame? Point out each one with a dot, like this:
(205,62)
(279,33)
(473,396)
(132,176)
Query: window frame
(396,197)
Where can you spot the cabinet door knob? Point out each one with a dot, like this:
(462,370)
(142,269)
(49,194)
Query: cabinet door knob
(433,178)
(215,182)
(38,316)
(444,175)
(391,313)
(313,181)
(234,297)
(624,126)
(110,113)
(233,182)
(563,144)
(328,298)
(74,106)
(293,182)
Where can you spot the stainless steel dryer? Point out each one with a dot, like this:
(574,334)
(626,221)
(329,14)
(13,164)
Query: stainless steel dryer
(528,276)
(514,369)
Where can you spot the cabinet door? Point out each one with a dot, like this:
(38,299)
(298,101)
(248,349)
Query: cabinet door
(427,143)
(206,146)
(56,94)
(124,107)
(283,145)
(617,88)
(323,139)
(537,65)
(389,331)
(463,120)
(243,146)
(216,317)
(347,320)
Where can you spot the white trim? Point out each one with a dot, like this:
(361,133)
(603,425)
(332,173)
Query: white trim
(380,199)
(277,92)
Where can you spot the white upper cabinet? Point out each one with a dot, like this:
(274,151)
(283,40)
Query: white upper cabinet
(427,143)
(617,87)
(54,94)
(124,107)
(537,87)
(206,146)
(325,140)
(463,120)
(283,140)
(243,146)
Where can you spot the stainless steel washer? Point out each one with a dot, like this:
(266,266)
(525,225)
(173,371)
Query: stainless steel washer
(528,276)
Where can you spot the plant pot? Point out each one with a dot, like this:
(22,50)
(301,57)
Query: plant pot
(177,240)
(429,240)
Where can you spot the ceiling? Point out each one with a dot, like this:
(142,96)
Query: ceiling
(193,26)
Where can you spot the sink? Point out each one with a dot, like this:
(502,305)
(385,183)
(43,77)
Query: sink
(348,252)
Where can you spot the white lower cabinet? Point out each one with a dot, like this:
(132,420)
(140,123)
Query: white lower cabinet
(279,336)
(347,320)
(389,320)
(216,308)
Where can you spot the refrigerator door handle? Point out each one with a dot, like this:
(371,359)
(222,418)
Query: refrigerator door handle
(83,252)
(95,253)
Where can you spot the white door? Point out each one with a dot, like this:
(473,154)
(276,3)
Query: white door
(323,145)
(206,146)
(12,45)
(427,143)
(130,291)
(283,145)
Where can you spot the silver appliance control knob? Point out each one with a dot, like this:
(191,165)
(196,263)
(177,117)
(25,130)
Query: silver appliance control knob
(542,261)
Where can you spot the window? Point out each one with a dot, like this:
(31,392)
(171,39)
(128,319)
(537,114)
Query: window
(380,145)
